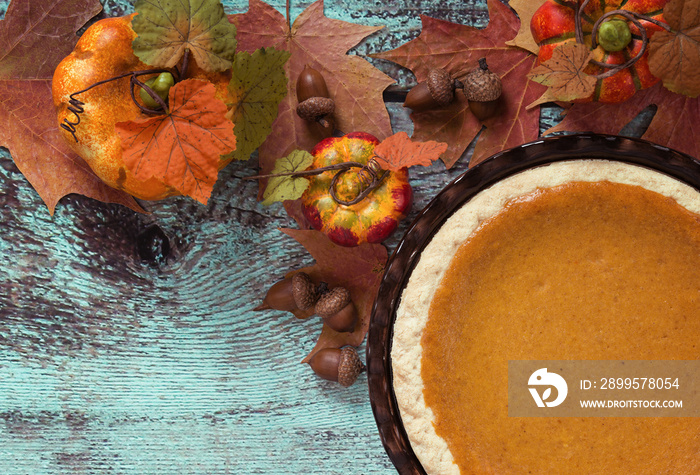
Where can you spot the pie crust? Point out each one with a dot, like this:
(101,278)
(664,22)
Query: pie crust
(413,310)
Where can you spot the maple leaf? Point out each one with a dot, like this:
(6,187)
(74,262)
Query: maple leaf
(282,188)
(183,147)
(359,269)
(322,43)
(675,124)
(257,86)
(525,10)
(457,48)
(674,56)
(399,151)
(34,37)
(563,74)
(167,28)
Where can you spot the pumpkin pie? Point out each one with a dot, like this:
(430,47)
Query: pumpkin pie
(604,255)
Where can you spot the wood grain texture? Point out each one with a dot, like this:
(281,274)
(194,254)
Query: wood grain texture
(112,364)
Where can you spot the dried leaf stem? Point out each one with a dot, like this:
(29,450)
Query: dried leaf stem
(313,172)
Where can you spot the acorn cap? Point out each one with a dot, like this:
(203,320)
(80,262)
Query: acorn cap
(303,291)
(349,367)
(482,85)
(441,86)
(332,302)
(315,107)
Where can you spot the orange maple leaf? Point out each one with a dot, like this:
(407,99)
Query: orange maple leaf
(181,148)
(399,151)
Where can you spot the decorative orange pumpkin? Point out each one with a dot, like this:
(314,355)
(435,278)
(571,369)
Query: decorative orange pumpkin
(103,52)
(373,218)
(554,24)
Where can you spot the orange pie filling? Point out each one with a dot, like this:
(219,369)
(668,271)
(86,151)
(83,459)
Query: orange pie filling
(583,270)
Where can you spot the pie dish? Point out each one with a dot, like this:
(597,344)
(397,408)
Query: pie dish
(487,253)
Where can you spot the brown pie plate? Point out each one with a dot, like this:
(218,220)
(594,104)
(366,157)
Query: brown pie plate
(451,198)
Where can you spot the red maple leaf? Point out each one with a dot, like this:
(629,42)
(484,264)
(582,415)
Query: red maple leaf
(457,49)
(674,125)
(322,43)
(34,37)
(183,147)
(359,269)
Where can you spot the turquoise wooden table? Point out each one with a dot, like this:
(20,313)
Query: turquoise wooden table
(128,344)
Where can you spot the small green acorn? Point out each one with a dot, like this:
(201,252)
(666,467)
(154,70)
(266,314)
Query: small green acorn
(614,35)
(161,85)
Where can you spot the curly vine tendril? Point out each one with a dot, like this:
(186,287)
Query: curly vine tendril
(634,17)
(75,105)
(370,177)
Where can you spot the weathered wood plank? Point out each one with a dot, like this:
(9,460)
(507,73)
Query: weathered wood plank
(110,363)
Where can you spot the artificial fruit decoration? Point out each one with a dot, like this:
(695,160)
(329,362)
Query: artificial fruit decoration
(618,34)
(102,84)
(361,202)
(161,85)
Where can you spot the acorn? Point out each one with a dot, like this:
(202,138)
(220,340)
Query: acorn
(482,89)
(336,309)
(315,104)
(438,90)
(338,364)
(297,292)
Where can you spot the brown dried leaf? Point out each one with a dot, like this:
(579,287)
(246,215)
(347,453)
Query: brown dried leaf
(322,43)
(674,56)
(359,269)
(456,48)
(399,151)
(674,125)
(563,74)
(34,37)
(525,10)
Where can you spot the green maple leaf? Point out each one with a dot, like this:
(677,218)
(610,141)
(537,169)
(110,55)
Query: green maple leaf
(166,28)
(257,87)
(281,188)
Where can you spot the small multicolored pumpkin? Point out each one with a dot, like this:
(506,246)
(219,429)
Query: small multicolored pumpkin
(618,40)
(373,218)
(104,51)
